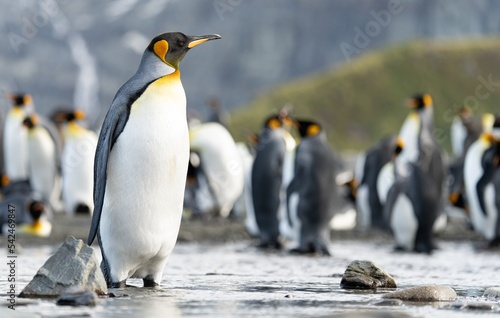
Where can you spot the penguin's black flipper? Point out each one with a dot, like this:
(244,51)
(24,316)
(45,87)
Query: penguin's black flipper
(112,127)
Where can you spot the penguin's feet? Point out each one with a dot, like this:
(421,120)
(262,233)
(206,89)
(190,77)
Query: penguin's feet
(400,249)
(149,282)
(494,244)
(312,249)
(425,248)
(274,244)
(121,284)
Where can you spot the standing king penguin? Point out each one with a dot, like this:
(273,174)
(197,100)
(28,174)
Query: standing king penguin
(44,148)
(482,184)
(267,178)
(15,138)
(414,201)
(77,164)
(141,164)
(313,186)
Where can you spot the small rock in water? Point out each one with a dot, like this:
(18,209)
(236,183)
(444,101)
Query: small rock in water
(492,293)
(73,264)
(77,296)
(365,275)
(424,293)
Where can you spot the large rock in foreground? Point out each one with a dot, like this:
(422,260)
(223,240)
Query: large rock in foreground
(424,293)
(366,275)
(73,264)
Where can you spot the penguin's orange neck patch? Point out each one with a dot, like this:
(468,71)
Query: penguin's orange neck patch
(161,48)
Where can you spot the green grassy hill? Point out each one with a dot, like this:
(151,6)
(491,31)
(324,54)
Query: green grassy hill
(361,101)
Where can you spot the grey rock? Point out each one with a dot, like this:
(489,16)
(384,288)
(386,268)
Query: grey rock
(424,293)
(492,293)
(73,264)
(366,275)
(77,296)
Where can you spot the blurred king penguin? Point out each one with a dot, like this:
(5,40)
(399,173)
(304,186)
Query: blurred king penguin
(414,201)
(77,163)
(310,194)
(266,179)
(482,183)
(141,165)
(15,137)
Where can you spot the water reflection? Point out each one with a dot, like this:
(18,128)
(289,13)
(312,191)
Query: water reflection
(239,280)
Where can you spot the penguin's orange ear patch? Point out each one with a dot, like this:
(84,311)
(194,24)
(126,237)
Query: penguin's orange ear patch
(427,100)
(27,99)
(161,48)
(274,124)
(313,130)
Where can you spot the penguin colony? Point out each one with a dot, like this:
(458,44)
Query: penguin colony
(149,165)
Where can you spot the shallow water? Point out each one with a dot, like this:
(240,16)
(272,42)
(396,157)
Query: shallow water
(237,280)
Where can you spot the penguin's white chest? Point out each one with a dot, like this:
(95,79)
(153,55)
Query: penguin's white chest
(473,171)
(409,134)
(146,175)
(77,169)
(42,161)
(15,147)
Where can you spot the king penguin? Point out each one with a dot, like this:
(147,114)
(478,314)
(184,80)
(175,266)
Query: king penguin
(368,167)
(45,160)
(15,137)
(221,165)
(313,187)
(267,178)
(481,183)
(414,201)
(140,166)
(77,164)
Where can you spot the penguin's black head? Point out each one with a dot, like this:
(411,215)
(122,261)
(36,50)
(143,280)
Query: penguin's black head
(172,47)
(30,121)
(308,128)
(398,148)
(420,101)
(66,116)
(36,209)
(76,115)
(20,99)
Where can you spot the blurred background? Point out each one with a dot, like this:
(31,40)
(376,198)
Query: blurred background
(350,64)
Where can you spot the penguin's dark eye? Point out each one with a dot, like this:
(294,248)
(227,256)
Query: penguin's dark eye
(180,43)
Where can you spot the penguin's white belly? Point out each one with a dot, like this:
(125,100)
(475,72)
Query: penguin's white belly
(409,134)
(385,180)
(472,173)
(15,149)
(363,207)
(146,176)
(292,231)
(458,135)
(42,161)
(77,171)
(404,223)
(221,162)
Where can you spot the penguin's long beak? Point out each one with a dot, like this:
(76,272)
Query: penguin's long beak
(197,40)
